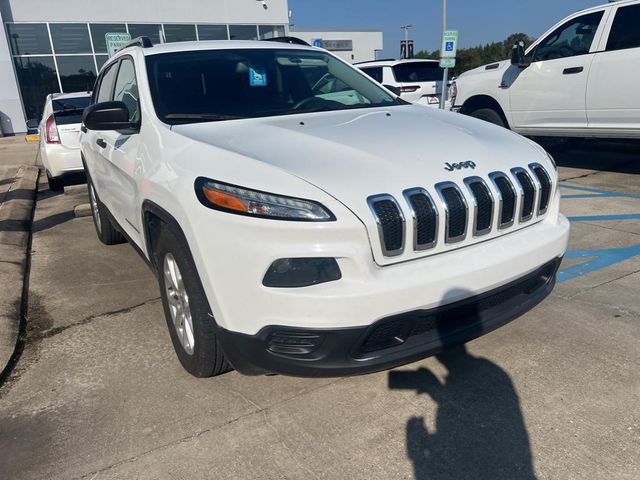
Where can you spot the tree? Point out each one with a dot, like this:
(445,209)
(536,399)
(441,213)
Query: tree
(469,58)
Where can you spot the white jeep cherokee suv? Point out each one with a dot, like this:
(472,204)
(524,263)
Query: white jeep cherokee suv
(580,79)
(298,234)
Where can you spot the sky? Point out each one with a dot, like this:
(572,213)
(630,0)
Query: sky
(478,21)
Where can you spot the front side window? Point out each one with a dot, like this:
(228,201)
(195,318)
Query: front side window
(625,31)
(106,83)
(418,72)
(571,39)
(126,89)
(214,85)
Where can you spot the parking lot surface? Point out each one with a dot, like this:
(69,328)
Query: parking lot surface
(99,394)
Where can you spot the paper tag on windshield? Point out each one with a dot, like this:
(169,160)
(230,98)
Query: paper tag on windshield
(257,76)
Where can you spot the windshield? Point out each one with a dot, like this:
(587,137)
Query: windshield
(214,85)
(418,72)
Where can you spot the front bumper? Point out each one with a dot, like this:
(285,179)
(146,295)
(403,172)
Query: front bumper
(390,342)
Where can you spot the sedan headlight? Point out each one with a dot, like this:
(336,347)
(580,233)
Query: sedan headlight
(254,203)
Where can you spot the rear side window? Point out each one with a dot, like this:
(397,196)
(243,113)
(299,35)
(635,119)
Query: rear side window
(68,111)
(126,90)
(106,84)
(374,72)
(418,72)
(625,31)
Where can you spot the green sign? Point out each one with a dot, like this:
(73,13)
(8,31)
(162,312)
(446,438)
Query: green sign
(449,44)
(447,62)
(115,41)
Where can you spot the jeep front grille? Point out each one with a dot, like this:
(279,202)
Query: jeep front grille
(391,223)
(498,202)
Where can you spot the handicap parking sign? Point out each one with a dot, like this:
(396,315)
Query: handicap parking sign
(318,43)
(449,47)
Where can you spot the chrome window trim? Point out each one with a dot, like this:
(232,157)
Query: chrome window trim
(536,192)
(439,188)
(371,201)
(539,211)
(468,182)
(493,176)
(407,197)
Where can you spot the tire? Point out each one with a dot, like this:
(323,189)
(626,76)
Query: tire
(55,184)
(489,115)
(105,230)
(191,324)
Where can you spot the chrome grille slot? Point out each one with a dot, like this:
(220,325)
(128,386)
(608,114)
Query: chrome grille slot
(391,223)
(545,187)
(483,205)
(527,192)
(456,211)
(506,199)
(425,218)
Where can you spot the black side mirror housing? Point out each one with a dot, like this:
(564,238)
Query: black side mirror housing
(518,56)
(107,116)
(395,90)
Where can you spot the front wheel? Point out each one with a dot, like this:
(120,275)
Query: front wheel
(189,318)
(489,115)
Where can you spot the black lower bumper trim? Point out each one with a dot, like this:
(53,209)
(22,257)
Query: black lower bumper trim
(390,342)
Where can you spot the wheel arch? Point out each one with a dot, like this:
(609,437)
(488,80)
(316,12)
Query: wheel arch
(484,101)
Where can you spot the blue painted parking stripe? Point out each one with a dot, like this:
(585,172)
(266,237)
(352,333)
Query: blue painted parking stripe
(601,218)
(596,260)
(596,192)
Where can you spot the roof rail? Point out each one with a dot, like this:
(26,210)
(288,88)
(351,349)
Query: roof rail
(144,42)
(291,40)
(379,60)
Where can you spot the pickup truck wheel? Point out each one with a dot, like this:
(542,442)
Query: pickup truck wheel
(189,318)
(488,115)
(105,230)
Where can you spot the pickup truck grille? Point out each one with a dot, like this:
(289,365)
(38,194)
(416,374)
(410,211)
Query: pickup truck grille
(473,209)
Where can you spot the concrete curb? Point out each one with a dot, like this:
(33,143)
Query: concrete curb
(16,216)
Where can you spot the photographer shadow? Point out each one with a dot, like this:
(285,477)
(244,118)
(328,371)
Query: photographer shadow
(480,432)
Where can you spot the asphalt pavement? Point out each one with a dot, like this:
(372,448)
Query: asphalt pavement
(99,394)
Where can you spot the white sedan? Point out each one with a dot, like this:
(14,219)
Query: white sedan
(60,136)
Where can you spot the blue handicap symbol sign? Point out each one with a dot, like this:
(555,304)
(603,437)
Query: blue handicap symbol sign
(448,46)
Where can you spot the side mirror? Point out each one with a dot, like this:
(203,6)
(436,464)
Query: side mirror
(518,56)
(33,124)
(107,116)
(395,90)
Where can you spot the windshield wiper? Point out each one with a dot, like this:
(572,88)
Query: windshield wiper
(212,117)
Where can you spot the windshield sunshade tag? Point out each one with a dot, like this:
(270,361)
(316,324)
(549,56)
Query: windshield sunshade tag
(257,76)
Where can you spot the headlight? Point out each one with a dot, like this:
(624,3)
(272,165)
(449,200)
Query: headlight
(254,203)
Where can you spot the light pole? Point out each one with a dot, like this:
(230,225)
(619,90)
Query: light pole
(406,27)
(443,99)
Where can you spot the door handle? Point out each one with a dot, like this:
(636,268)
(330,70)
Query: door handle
(101,143)
(83,128)
(572,71)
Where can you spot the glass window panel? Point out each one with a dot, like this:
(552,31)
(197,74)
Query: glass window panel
(150,30)
(624,31)
(180,33)
(70,37)
(126,90)
(213,32)
(243,32)
(101,60)
(28,38)
(106,83)
(271,31)
(37,79)
(77,73)
(99,30)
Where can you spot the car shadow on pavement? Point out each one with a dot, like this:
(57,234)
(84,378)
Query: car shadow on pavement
(480,432)
(52,221)
(599,155)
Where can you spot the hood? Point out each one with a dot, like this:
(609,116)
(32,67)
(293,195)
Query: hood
(354,154)
(494,69)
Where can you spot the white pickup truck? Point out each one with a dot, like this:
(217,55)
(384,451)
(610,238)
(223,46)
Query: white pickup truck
(579,79)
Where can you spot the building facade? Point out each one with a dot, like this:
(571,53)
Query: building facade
(50,46)
(351,45)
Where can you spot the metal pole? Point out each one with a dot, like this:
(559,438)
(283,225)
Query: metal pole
(445,76)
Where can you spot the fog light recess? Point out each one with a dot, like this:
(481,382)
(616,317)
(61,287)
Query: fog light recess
(301,272)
